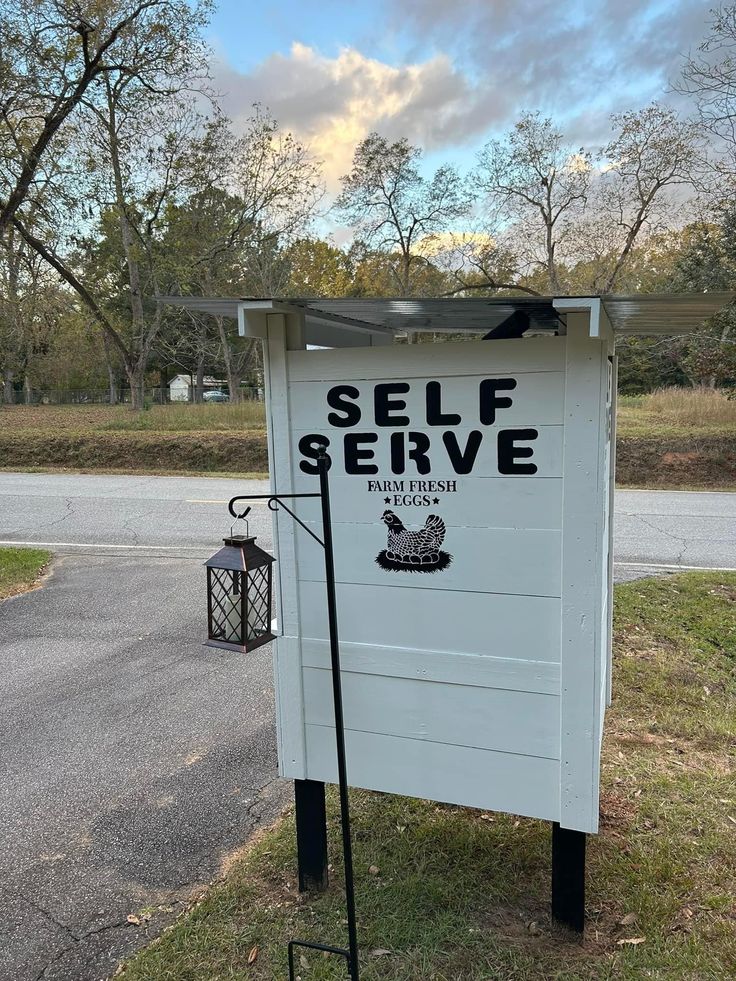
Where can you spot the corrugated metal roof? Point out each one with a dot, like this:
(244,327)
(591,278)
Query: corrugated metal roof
(479,314)
(641,313)
(662,313)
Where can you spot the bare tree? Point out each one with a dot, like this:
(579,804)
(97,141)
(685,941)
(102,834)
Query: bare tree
(710,77)
(535,186)
(51,54)
(392,207)
(250,197)
(30,305)
(482,262)
(121,163)
(651,153)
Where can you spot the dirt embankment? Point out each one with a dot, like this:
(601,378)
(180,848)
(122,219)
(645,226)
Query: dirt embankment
(688,462)
(136,451)
(708,461)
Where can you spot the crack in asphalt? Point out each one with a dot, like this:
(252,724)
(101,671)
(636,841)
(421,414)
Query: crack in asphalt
(70,510)
(684,543)
(131,531)
(54,960)
(40,909)
(78,940)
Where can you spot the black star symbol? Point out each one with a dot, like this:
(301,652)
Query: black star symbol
(435,500)
(387,500)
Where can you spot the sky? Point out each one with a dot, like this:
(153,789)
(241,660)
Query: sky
(446,74)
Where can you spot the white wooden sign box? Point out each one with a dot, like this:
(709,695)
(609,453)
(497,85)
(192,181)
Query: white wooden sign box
(476,662)
(472,489)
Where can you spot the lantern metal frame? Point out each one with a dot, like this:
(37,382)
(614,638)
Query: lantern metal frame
(276,501)
(240,568)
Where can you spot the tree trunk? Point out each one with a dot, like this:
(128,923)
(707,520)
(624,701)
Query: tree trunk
(8,390)
(231,369)
(27,391)
(141,329)
(233,380)
(112,388)
(199,384)
(136,380)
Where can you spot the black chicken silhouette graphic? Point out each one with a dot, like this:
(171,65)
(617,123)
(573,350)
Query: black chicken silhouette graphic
(414,551)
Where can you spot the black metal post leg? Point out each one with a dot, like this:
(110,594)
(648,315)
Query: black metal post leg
(323,464)
(568,877)
(311,834)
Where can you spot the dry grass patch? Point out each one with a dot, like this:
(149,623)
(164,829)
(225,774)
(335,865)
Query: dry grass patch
(677,412)
(173,418)
(462,895)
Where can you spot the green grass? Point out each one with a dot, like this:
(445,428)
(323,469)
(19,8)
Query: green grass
(20,569)
(460,895)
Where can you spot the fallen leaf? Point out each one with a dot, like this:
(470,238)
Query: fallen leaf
(628,919)
(132,918)
(631,940)
(303,962)
(381,952)
(253,955)
(732,819)
(374,870)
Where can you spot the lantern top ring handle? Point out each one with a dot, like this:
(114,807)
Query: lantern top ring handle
(241,517)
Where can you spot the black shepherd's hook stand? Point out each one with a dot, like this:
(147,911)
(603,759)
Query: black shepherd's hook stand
(274,502)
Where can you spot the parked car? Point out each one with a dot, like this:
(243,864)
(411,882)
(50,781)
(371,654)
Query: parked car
(216,396)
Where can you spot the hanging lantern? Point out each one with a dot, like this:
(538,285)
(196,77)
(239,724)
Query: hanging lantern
(239,591)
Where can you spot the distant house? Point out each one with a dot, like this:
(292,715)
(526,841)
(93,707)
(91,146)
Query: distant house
(180,388)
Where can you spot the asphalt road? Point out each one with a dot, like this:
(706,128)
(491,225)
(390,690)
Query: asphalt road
(184,517)
(135,762)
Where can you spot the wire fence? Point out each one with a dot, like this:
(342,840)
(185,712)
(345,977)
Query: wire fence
(101,396)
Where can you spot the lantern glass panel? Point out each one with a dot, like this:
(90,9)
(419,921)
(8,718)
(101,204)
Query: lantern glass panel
(258,602)
(226,606)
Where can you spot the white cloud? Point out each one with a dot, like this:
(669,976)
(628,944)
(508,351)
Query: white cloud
(333,103)
(575,63)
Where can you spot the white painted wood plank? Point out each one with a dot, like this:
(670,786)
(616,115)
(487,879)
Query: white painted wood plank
(489,560)
(581,579)
(611,504)
(526,723)
(538,397)
(478,670)
(289,705)
(424,360)
(524,627)
(487,502)
(546,454)
(526,785)
(604,469)
(287,661)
